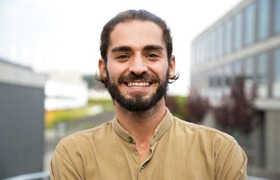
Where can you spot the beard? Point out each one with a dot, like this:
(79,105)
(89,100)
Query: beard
(137,103)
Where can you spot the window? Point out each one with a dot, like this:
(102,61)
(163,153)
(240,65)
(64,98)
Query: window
(228,36)
(277,16)
(262,75)
(213,44)
(193,54)
(206,47)
(220,77)
(204,87)
(237,68)
(263,19)
(212,90)
(228,74)
(210,45)
(220,81)
(202,49)
(277,65)
(249,34)
(249,74)
(198,51)
(238,30)
(224,81)
(276,83)
(220,39)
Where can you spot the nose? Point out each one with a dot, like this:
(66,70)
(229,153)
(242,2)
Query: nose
(138,65)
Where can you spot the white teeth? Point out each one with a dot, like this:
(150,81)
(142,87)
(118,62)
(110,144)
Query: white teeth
(138,84)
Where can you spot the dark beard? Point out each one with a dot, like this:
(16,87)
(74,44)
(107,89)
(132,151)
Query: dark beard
(137,103)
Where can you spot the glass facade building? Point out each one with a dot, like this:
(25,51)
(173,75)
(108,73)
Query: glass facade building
(276,75)
(249,25)
(244,43)
(276,17)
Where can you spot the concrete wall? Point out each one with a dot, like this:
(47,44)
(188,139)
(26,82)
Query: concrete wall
(21,121)
(272,141)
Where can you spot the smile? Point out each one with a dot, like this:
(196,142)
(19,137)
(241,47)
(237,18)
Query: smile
(138,84)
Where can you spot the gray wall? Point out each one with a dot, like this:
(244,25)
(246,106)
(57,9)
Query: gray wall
(272,141)
(21,124)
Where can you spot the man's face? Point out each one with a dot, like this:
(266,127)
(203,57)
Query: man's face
(137,68)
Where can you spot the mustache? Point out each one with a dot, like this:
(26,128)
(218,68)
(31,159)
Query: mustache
(143,77)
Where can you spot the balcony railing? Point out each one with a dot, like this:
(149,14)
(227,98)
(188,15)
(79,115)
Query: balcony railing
(45,175)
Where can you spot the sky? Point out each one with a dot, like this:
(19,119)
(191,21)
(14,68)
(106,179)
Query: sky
(63,35)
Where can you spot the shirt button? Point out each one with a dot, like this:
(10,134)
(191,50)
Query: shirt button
(130,139)
(143,166)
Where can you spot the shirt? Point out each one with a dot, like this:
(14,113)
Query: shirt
(178,150)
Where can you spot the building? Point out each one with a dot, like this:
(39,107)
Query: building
(245,42)
(21,120)
(65,90)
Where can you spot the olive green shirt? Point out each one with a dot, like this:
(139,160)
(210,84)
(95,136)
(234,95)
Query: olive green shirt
(179,150)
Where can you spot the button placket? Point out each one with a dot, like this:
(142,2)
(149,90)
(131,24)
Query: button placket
(130,139)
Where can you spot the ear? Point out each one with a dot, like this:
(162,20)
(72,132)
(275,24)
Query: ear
(172,66)
(102,67)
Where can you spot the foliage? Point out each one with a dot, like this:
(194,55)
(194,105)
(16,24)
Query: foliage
(56,116)
(197,107)
(177,106)
(237,111)
(107,104)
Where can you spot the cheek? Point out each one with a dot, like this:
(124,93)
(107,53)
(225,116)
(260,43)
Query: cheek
(162,70)
(113,72)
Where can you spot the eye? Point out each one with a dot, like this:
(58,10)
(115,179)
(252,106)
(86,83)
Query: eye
(152,55)
(122,57)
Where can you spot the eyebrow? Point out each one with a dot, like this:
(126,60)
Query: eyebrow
(127,48)
(120,49)
(153,47)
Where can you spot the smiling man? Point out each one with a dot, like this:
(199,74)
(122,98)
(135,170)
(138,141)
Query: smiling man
(144,140)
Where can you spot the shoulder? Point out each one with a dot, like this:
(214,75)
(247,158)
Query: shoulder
(227,154)
(83,137)
(202,132)
(76,150)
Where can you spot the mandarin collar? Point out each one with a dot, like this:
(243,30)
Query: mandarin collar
(161,129)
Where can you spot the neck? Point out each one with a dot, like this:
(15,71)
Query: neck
(141,125)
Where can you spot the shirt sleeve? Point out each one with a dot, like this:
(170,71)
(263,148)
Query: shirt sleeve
(231,163)
(61,166)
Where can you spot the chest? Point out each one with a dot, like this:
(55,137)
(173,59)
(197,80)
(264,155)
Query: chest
(165,160)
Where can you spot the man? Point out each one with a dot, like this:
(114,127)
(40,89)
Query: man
(144,141)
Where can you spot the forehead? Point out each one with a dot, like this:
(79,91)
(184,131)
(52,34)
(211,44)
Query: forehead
(136,33)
